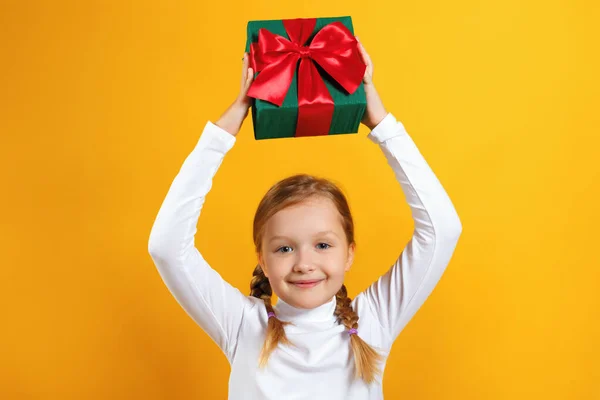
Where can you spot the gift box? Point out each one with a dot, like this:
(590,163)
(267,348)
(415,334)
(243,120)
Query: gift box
(308,77)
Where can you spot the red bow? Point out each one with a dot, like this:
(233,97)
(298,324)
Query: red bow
(334,48)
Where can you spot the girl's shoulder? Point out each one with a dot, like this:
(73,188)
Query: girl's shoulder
(369,324)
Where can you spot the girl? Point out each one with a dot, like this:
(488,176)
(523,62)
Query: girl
(315,342)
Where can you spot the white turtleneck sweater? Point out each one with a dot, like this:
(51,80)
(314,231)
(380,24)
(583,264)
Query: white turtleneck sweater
(321,365)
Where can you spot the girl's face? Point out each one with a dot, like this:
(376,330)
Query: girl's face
(305,253)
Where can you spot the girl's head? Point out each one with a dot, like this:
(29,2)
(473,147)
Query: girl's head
(303,232)
(304,238)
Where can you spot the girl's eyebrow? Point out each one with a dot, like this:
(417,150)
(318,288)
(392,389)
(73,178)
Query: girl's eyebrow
(325,233)
(316,234)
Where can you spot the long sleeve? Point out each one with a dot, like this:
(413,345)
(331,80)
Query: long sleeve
(397,295)
(213,303)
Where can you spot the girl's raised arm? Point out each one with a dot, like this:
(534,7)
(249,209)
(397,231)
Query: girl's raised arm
(213,303)
(397,295)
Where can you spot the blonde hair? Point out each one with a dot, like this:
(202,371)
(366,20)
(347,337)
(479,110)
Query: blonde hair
(285,193)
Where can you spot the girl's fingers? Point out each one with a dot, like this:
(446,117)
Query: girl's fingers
(249,77)
(361,49)
(245,67)
(367,60)
(247,81)
(365,56)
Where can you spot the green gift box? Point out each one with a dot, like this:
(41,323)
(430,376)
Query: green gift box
(319,60)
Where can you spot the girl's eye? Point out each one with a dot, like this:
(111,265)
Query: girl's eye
(321,246)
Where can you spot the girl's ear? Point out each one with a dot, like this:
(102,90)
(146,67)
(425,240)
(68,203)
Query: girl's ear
(351,249)
(262,264)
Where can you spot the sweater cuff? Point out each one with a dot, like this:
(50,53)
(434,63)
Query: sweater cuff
(216,138)
(388,128)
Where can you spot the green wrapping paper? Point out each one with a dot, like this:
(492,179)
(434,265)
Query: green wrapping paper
(271,121)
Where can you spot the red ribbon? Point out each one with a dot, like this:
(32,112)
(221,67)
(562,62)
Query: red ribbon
(334,48)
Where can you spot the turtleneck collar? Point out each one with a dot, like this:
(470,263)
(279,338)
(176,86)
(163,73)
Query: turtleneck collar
(286,312)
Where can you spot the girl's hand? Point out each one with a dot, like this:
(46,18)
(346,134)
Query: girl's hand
(247,77)
(375,111)
(234,116)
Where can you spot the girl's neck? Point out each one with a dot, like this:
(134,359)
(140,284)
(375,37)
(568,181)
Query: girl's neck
(287,312)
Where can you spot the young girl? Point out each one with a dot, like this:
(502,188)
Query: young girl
(315,342)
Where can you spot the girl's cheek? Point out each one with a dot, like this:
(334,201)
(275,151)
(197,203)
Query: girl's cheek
(278,269)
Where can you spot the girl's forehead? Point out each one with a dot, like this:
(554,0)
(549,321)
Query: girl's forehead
(313,208)
(314,215)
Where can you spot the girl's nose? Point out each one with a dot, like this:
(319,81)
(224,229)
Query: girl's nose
(304,263)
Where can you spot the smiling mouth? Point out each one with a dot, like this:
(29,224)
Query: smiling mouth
(307,284)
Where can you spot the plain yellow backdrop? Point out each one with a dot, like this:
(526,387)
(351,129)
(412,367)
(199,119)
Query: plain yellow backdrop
(101,102)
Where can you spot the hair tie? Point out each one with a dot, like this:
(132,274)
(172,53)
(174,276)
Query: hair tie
(271,314)
(352,331)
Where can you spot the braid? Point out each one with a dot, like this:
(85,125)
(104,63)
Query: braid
(343,309)
(260,286)
(261,289)
(365,357)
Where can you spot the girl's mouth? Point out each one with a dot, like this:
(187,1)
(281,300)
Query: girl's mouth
(307,284)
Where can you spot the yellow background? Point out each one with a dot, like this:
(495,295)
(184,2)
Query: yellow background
(101,102)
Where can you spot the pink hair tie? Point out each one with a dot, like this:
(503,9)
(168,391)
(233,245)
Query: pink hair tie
(271,314)
(352,331)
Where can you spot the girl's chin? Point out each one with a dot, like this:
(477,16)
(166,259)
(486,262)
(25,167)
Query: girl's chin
(307,303)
